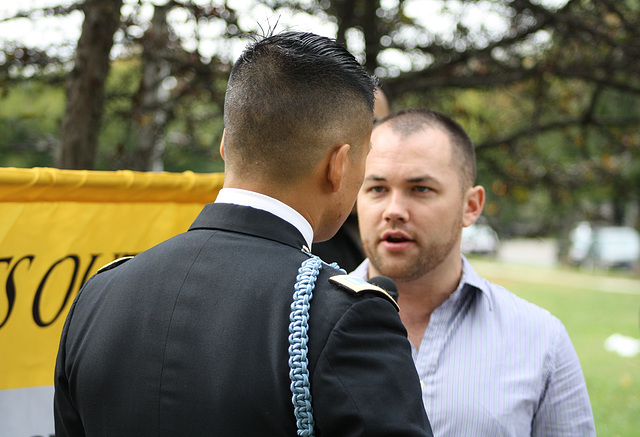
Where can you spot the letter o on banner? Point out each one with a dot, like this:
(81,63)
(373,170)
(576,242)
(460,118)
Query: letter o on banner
(36,300)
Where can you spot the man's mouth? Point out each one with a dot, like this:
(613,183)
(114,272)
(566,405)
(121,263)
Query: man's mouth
(396,241)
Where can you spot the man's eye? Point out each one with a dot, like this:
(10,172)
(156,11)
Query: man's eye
(422,189)
(376,189)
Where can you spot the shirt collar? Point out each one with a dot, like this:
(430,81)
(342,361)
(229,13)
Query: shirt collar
(469,280)
(237,196)
(362,271)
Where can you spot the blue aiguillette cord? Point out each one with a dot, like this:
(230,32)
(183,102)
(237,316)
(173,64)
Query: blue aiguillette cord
(298,339)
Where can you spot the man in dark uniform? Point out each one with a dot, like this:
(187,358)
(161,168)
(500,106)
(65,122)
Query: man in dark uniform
(197,336)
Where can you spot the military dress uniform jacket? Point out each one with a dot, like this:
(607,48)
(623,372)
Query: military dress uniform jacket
(191,338)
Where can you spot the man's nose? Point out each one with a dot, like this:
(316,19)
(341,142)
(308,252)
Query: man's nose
(396,209)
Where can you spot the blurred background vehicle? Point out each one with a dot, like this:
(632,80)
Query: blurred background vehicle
(604,246)
(580,241)
(480,238)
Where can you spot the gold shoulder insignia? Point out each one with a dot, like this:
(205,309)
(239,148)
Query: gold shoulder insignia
(357,285)
(114,263)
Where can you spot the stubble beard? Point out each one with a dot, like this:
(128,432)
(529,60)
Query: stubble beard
(402,267)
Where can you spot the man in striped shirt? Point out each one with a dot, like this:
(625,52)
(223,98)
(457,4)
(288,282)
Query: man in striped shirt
(490,363)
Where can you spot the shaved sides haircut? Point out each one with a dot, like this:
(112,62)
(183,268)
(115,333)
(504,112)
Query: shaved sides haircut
(409,121)
(291,98)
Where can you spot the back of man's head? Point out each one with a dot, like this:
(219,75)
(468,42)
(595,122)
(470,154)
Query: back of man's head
(291,97)
(406,122)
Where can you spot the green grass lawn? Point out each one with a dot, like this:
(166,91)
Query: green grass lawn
(592,307)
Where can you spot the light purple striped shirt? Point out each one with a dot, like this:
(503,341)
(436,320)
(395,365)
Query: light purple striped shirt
(492,364)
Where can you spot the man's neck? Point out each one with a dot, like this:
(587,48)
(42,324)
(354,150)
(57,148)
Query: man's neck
(419,298)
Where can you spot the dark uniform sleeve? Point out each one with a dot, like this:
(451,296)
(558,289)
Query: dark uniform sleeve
(67,418)
(66,415)
(365,382)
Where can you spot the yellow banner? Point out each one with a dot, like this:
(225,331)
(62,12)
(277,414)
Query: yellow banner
(57,228)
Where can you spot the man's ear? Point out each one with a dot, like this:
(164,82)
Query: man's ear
(336,166)
(222,144)
(473,204)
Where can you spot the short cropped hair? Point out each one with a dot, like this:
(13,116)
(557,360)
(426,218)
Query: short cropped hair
(406,122)
(291,97)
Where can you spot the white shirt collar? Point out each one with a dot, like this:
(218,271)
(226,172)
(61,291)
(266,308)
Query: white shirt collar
(237,196)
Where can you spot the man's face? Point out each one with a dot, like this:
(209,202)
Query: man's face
(410,206)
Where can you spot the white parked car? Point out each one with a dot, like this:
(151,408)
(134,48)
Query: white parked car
(479,238)
(607,246)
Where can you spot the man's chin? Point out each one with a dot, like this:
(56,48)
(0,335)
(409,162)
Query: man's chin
(396,271)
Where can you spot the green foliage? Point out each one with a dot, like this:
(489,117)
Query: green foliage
(30,114)
(191,138)
(31,111)
(199,150)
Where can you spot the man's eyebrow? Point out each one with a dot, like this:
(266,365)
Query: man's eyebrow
(418,179)
(375,178)
(413,180)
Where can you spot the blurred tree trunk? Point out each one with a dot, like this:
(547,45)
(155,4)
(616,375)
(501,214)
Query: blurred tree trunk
(371,34)
(151,114)
(85,86)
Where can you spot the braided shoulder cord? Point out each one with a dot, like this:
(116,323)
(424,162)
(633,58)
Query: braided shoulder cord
(298,339)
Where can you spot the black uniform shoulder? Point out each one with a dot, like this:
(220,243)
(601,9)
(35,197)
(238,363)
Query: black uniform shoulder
(360,287)
(114,264)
